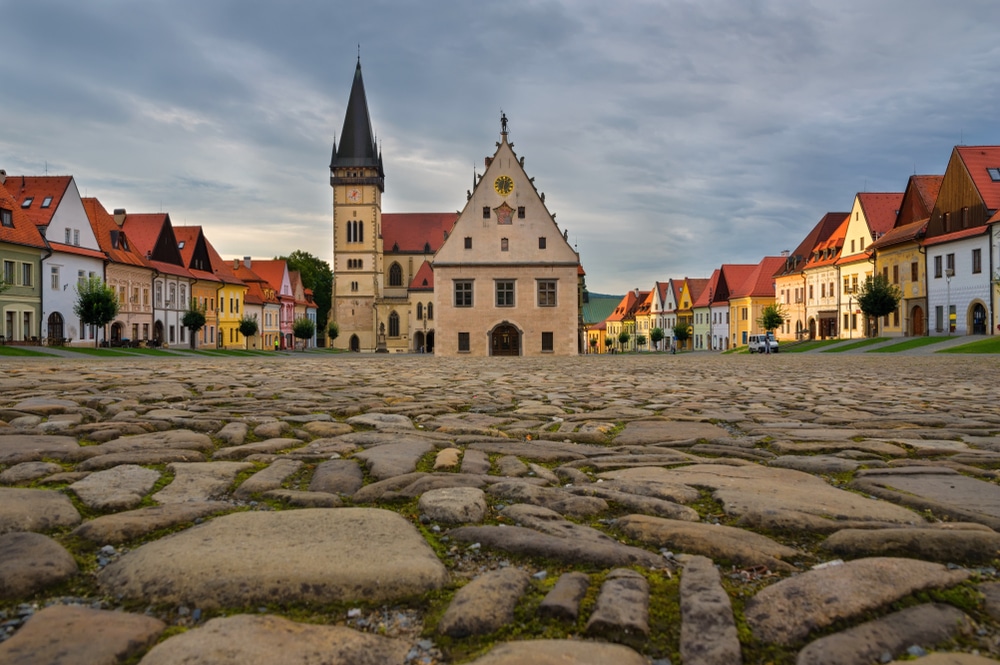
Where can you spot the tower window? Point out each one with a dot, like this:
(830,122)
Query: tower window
(541,242)
(504,244)
(468,242)
(486,212)
(520,212)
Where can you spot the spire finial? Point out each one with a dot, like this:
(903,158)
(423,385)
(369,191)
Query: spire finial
(359,53)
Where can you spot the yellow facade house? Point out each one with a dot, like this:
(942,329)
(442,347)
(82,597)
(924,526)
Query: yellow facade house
(748,300)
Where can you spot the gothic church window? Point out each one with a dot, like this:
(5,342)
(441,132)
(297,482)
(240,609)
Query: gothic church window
(394,325)
(395,275)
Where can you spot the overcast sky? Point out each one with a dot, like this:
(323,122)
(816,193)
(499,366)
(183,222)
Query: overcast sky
(668,137)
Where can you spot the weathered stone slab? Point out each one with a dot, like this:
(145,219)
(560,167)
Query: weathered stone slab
(665,431)
(708,629)
(642,504)
(454,505)
(200,481)
(121,527)
(327,428)
(511,466)
(555,499)
(119,488)
(68,635)
(338,476)
(16,448)
(535,451)
(563,601)
(382,421)
(658,486)
(942,491)
(394,459)
(923,625)
(266,446)
(323,449)
(560,652)
(304,499)
(930,544)
(475,462)
(447,458)
(46,406)
(485,604)
(268,479)
(35,510)
(28,471)
(31,562)
(275,429)
(806,447)
(815,463)
(436,481)
(233,433)
(265,640)
(308,555)
(155,456)
(622,610)
(787,611)
(174,438)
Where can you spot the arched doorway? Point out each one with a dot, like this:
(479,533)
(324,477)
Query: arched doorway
(978,316)
(430,341)
(917,321)
(158,333)
(812,328)
(505,340)
(116,332)
(418,342)
(355,343)
(55,327)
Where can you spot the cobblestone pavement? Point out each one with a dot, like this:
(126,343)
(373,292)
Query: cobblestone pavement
(316,508)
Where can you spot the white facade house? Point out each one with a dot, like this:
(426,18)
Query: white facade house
(959,282)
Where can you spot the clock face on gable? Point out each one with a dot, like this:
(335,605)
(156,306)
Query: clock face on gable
(354,194)
(503,185)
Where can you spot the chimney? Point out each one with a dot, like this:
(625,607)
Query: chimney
(246,262)
(784,253)
(637,292)
(119,216)
(236,264)
(3,176)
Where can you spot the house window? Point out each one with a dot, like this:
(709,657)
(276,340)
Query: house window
(914,272)
(504,244)
(54,278)
(393,325)
(546,293)
(505,293)
(354,286)
(486,212)
(395,275)
(463,293)
(27,202)
(8,272)
(76,237)
(520,212)
(743,313)
(949,264)
(420,311)
(541,242)
(468,242)
(546,341)
(47,201)
(947,222)
(937,267)
(7,217)
(994,174)
(977,261)
(895,274)
(846,321)
(463,342)
(854,284)
(939,318)
(852,245)
(355,231)
(895,317)
(847,285)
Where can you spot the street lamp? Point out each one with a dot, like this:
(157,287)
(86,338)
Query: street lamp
(948,274)
(850,316)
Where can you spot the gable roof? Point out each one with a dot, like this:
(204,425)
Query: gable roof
(23,232)
(416,232)
(273,272)
(695,287)
(153,235)
(627,306)
(731,276)
(188,240)
(901,234)
(111,238)
(760,282)
(598,308)
(256,285)
(704,299)
(796,261)
(424,279)
(881,209)
(977,160)
(37,189)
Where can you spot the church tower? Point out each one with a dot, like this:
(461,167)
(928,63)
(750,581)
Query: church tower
(358,181)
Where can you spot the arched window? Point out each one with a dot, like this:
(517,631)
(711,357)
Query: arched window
(395,275)
(394,325)
(361,231)
(430,311)
(420,311)
(350,231)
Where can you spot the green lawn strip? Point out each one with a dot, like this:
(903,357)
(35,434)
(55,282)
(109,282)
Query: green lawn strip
(23,352)
(101,353)
(912,343)
(800,347)
(861,343)
(988,345)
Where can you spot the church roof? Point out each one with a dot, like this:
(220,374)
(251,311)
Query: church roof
(424,279)
(357,141)
(416,232)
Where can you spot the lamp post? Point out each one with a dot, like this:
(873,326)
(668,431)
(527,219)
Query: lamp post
(948,274)
(850,316)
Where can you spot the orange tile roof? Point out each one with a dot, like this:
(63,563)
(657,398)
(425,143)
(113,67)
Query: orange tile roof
(416,232)
(424,279)
(626,309)
(820,233)
(188,236)
(222,268)
(927,187)
(880,210)
(704,298)
(79,251)
(957,235)
(38,188)
(23,232)
(255,283)
(901,234)
(103,223)
(731,276)
(760,282)
(273,272)
(695,287)
(977,159)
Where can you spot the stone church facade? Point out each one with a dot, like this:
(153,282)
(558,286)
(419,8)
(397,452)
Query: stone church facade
(498,278)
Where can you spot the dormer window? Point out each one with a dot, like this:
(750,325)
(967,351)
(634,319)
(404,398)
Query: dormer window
(6,218)
(47,201)
(27,202)
(180,245)
(994,173)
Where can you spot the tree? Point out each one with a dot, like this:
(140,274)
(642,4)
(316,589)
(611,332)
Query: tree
(316,275)
(681,333)
(623,338)
(593,344)
(96,303)
(194,320)
(303,329)
(248,327)
(332,333)
(608,344)
(771,317)
(640,340)
(656,336)
(877,297)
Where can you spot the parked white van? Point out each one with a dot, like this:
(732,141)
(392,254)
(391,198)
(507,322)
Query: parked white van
(759,343)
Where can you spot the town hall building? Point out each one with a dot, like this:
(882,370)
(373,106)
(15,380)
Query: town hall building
(497,278)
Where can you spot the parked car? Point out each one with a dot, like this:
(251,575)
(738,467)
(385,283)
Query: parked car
(759,343)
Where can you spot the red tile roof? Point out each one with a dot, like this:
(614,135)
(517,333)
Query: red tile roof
(828,252)
(704,299)
(760,282)
(901,234)
(424,279)
(880,210)
(823,229)
(188,236)
(695,287)
(37,188)
(255,283)
(79,251)
(731,276)
(273,272)
(927,188)
(23,232)
(410,231)
(103,224)
(957,235)
(630,302)
(977,159)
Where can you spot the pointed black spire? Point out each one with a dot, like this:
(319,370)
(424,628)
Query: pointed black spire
(357,140)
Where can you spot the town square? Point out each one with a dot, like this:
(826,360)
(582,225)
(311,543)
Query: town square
(644,508)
